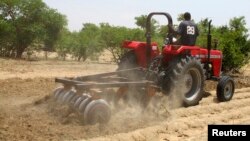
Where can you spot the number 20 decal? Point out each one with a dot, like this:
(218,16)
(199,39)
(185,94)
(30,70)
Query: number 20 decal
(190,30)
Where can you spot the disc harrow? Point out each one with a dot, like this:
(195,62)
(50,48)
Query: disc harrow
(85,94)
(90,109)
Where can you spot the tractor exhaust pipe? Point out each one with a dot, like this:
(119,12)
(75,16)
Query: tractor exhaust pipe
(148,32)
(209,39)
(209,46)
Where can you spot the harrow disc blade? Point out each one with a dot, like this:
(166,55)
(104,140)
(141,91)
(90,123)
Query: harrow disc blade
(67,97)
(84,104)
(73,100)
(61,95)
(57,91)
(79,100)
(97,111)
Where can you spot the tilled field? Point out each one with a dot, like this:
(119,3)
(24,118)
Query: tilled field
(25,111)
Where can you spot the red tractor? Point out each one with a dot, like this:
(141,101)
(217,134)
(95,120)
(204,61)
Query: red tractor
(177,69)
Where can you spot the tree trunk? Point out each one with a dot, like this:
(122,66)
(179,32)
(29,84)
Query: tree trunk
(79,58)
(64,57)
(84,58)
(19,52)
(46,55)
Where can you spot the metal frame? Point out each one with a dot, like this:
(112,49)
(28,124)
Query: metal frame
(108,80)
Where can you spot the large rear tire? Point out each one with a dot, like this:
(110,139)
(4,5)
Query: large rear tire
(187,78)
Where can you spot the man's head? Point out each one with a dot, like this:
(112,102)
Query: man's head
(187,16)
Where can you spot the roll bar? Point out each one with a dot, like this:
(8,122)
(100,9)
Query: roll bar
(148,31)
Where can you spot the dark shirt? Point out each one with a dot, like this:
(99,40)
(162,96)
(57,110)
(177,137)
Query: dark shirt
(189,32)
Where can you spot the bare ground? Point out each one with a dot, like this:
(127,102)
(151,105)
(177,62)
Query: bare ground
(25,109)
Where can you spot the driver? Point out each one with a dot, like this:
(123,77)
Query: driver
(187,30)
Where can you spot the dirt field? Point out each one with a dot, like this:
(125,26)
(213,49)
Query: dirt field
(25,110)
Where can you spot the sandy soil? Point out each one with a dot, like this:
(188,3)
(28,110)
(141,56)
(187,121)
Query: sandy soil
(25,108)
(49,69)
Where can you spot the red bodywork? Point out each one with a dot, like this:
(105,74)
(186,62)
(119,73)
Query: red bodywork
(171,51)
(140,51)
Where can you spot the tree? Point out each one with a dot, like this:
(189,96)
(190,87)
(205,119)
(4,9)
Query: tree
(82,44)
(112,38)
(29,21)
(233,42)
(163,30)
(6,36)
(53,25)
(66,42)
(180,17)
(203,31)
(141,21)
(89,39)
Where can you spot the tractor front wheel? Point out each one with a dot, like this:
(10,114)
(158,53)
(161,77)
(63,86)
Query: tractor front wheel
(225,89)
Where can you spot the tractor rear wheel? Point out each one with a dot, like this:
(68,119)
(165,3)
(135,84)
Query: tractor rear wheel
(187,78)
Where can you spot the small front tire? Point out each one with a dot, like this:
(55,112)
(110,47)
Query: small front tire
(225,89)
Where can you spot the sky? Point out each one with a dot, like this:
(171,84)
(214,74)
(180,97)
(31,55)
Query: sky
(123,12)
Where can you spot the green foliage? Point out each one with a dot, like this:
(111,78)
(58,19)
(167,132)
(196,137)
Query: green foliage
(65,42)
(89,39)
(232,39)
(82,44)
(28,21)
(93,39)
(141,21)
(112,38)
(234,44)
(53,25)
(6,37)
(180,17)
(203,31)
